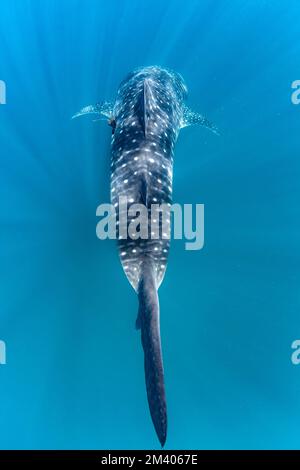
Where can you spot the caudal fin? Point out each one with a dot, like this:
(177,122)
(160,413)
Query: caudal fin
(148,322)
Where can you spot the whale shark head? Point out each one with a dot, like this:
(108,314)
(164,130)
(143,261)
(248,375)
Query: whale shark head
(150,75)
(178,84)
(164,75)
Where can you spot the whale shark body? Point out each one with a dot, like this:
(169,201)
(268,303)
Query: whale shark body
(146,118)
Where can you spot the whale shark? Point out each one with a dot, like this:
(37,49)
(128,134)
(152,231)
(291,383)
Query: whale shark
(146,117)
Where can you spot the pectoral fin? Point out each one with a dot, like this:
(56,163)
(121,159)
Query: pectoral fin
(101,109)
(191,118)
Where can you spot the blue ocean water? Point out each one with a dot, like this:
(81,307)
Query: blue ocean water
(229,313)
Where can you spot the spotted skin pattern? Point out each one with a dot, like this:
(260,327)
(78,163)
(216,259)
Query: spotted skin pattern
(146,118)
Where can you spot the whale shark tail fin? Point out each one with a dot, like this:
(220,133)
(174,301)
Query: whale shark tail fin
(191,118)
(148,322)
(101,109)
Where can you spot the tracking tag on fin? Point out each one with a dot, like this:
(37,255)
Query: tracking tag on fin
(190,118)
(105,108)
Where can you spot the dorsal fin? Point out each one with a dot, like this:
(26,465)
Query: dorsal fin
(144,105)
